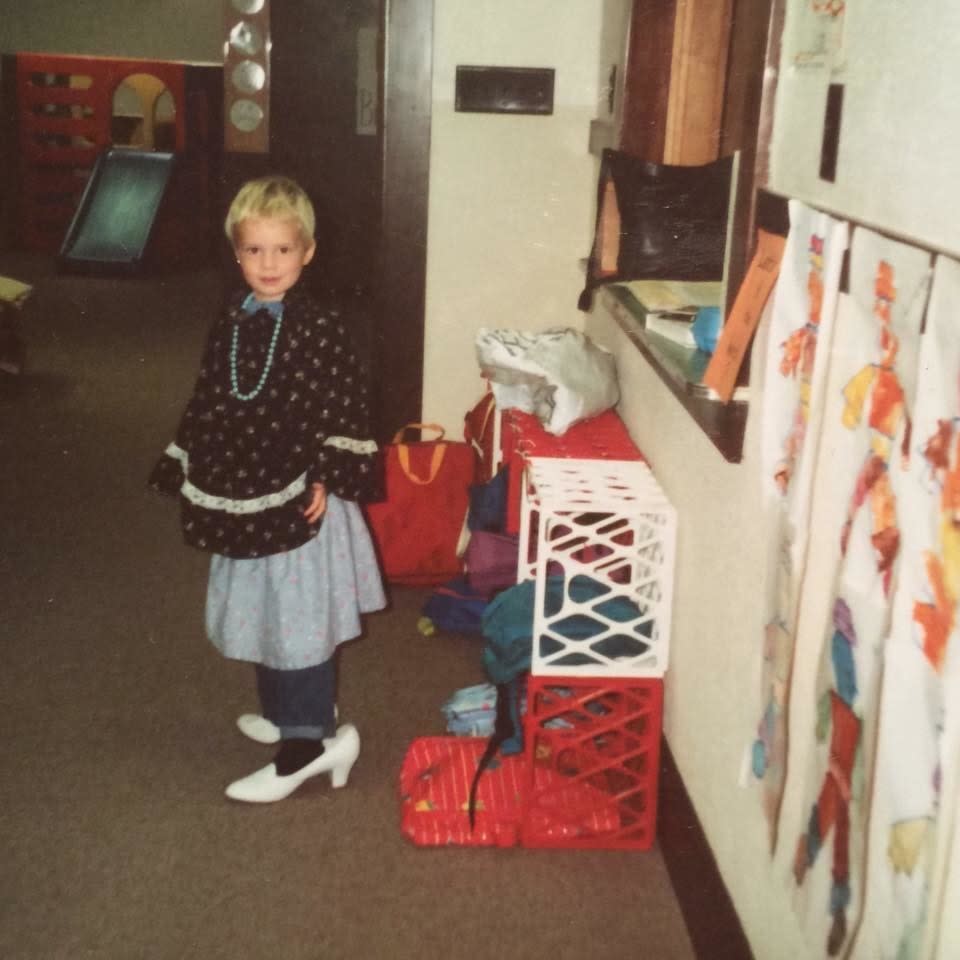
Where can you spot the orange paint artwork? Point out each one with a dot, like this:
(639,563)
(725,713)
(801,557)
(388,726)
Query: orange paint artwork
(799,352)
(875,392)
(936,617)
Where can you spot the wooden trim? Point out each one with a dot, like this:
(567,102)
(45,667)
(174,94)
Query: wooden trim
(407,103)
(708,911)
(647,79)
(724,424)
(695,111)
(769,91)
(747,92)
(745,68)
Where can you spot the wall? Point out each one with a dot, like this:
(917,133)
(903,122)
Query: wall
(511,214)
(896,169)
(161,29)
(511,197)
(611,74)
(711,693)
(899,149)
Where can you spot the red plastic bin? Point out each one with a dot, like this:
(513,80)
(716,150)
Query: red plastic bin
(435,783)
(603,437)
(592,749)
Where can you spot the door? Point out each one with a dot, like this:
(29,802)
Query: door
(350,121)
(320,67)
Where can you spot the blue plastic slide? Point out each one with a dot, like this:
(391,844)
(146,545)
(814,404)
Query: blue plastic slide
(113,224)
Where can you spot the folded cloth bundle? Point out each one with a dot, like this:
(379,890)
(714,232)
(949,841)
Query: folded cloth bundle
(470,712)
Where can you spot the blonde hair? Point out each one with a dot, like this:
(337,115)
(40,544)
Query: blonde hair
(271,197)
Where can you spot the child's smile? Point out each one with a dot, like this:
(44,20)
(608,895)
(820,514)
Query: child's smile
(272,254)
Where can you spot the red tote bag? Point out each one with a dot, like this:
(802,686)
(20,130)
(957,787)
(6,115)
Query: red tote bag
(479,431)
(417,527)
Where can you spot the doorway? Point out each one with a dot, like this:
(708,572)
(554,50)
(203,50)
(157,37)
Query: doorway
(320,62)
(144,114)
(350,121)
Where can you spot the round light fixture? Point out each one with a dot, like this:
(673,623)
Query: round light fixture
(246,115)
(249,77)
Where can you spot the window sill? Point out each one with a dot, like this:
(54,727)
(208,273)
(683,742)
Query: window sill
(681,369)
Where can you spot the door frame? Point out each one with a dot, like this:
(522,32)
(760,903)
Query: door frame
(407,64)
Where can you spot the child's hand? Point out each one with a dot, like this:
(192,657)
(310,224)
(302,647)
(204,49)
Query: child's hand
(317,506)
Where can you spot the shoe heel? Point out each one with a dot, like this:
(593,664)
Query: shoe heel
(346,749)
(339,775)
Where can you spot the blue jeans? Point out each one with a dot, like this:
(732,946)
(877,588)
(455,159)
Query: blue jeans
(300,702)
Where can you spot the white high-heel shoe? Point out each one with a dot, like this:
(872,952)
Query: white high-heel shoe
(266,785)
(262,730)
(258,728)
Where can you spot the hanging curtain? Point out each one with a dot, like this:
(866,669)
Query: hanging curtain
(856,523)
(801,333)
(912,809)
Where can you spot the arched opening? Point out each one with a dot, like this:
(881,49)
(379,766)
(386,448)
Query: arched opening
(144,114)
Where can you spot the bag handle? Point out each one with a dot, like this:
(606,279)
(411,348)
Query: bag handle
(398,438)
(491,406)
(436,460)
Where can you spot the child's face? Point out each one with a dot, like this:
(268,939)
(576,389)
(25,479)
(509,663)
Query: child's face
(271,254)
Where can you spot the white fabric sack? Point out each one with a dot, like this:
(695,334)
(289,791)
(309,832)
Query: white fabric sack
(560,376)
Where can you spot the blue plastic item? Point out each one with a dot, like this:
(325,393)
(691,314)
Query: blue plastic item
(114,221)
(706,328)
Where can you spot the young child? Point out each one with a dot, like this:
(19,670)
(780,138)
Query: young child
(271,456)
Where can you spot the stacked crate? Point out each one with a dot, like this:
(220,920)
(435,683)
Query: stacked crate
(598,538)
(597,542)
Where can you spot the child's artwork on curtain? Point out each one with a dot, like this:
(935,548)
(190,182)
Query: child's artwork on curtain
(916,761)
(845,609)
(801,331)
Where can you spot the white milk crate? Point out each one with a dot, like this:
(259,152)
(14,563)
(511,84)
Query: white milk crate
(599,538)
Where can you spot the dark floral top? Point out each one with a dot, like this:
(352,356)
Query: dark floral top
(243,468)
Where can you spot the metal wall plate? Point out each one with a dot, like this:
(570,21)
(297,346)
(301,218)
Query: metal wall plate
(246,75)
(526,90)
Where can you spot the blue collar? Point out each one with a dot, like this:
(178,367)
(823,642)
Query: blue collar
(251,305)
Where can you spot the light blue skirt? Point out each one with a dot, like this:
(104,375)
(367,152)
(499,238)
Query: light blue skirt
(291,610)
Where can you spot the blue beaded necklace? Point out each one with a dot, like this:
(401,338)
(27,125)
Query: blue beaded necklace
(276,310)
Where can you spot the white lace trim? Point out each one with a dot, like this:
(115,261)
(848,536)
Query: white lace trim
(242,507)
(354,446)
(227,504)
(254,505)
(178,453)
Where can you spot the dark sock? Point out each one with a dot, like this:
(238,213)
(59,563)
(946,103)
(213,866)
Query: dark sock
(294,755)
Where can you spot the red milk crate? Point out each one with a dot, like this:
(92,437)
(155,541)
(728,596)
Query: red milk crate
(592,747)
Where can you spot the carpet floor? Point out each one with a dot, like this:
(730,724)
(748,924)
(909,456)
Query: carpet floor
(119,737)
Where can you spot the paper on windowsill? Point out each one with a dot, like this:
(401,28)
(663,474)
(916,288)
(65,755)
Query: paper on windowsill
(724,366)
(676,295)
(672,327)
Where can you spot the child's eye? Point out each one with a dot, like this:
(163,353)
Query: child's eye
(284,250)
(251,251)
